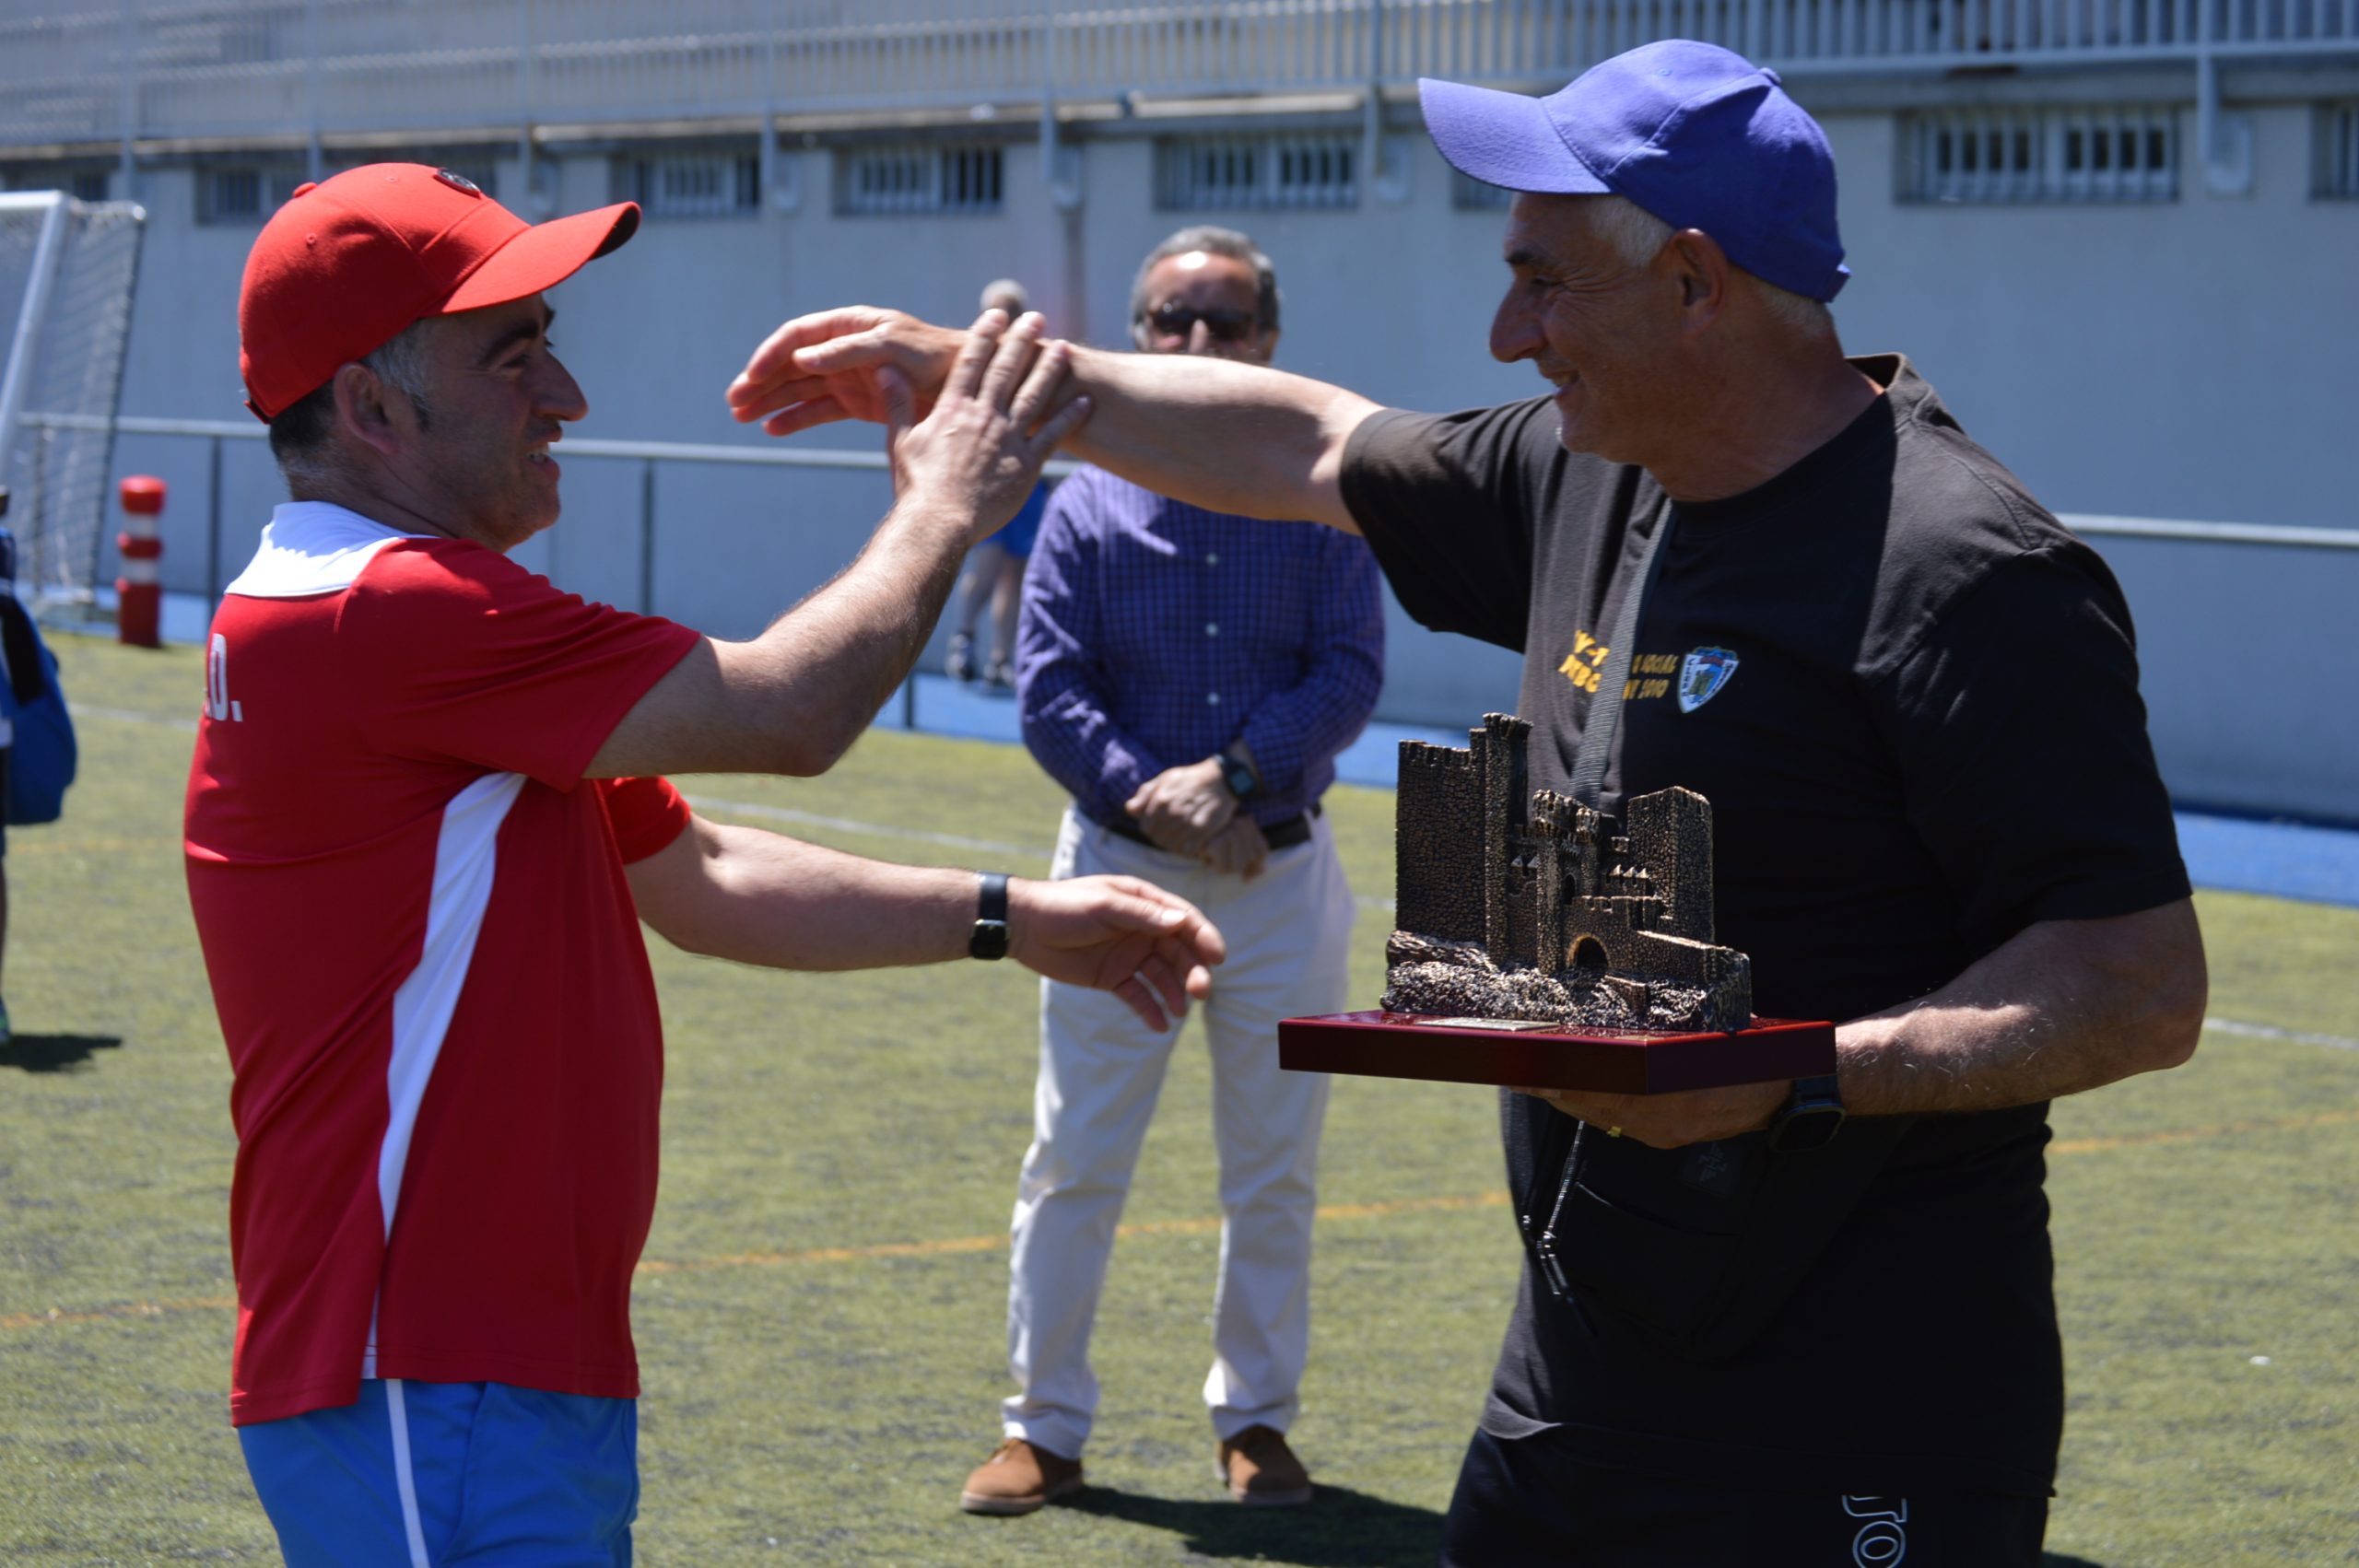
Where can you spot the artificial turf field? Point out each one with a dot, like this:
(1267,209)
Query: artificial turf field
(820,1315)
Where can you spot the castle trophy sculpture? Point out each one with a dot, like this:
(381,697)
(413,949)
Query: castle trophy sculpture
(1543,943)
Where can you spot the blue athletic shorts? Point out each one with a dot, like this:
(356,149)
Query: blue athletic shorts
(420,1475)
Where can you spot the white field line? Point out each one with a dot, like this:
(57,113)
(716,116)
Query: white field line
(1035,851)
(920,835)
(733,808)
(2270,1032)
(80,711)
(868,829)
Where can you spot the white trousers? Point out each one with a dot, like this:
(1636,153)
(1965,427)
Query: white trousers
(1289,933)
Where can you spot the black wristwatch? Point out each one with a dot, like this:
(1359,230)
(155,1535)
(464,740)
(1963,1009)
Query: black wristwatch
(989,939)
(1239,774)
(1810,1118)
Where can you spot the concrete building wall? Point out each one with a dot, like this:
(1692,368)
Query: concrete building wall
(2183,359)
(2167,359)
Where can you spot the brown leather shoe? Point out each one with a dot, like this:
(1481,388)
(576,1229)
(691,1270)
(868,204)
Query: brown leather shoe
(1020,1476)
(1260,1470)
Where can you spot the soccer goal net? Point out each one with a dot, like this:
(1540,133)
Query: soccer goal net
(67,269)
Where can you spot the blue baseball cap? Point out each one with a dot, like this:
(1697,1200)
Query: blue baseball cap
(1698,136)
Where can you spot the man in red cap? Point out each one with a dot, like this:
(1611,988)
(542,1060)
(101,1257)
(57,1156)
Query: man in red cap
(425,818)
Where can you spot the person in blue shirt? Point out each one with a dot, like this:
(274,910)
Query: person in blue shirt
(1189,677)
(8,744)
(994,573)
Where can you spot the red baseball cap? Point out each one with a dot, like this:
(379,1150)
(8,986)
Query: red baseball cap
(350,262)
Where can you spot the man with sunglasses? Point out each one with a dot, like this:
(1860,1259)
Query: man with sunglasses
(1188,677)
(1749,1330)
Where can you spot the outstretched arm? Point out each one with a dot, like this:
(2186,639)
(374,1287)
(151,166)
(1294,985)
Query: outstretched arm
(2064,1006)
(1225,437)
(794,698)
(760,898)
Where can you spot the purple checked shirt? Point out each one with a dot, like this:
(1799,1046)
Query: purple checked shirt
(1156,633)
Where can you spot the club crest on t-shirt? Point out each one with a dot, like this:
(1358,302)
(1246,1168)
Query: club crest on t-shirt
(1702,675)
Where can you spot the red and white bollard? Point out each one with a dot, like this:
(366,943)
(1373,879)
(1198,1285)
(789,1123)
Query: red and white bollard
(139,591)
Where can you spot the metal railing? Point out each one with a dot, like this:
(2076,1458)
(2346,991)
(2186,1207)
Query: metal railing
(147,70)
(647,455)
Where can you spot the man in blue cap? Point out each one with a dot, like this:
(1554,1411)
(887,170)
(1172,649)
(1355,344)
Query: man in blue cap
(1750,1331)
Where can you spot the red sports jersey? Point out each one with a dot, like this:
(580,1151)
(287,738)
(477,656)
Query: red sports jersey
(427,964)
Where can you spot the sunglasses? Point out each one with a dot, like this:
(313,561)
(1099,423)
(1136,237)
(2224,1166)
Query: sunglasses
(1227,326)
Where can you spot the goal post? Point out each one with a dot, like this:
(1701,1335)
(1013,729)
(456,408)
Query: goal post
(68,272)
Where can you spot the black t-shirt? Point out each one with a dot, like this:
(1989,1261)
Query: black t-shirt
(1911,696)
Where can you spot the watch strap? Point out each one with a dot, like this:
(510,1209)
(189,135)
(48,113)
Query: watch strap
(1811,1118)
(1239,774)
(989,939)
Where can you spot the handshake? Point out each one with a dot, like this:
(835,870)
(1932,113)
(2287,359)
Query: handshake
(1189,810)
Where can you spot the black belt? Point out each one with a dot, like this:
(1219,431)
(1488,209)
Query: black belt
(1284,835)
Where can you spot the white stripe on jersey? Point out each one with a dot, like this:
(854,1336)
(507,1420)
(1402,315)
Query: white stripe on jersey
(311,548)
(465,859)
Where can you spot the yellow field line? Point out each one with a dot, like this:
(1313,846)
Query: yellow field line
(940,1248)
(2196,1134)
(129,1309)
(1199,1226)
(30,846)
(946,1247)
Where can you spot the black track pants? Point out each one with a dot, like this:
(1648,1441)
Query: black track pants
(1526,1503)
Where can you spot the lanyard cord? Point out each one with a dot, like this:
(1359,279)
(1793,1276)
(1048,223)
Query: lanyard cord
(1589,778)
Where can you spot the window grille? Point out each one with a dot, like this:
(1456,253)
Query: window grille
(2108,154)
(1194,173)
(713,184)
(242,193)
(922,179)
(2339,150)
(1470,195)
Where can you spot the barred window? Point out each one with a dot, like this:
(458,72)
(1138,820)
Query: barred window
(2338,161)
(1470,195)
(1196,173)
(243,193)
(2108,154)
(969,177)
(705,184)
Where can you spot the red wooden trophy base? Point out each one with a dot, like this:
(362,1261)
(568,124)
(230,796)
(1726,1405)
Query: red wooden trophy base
(1409,1044)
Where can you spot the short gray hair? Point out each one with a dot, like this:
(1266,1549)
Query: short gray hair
(1637,236)
(1213,241)
(1006,293)
(299,435)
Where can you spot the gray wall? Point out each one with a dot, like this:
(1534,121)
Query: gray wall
(2186,359)
(2169,359)
(2247,675)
